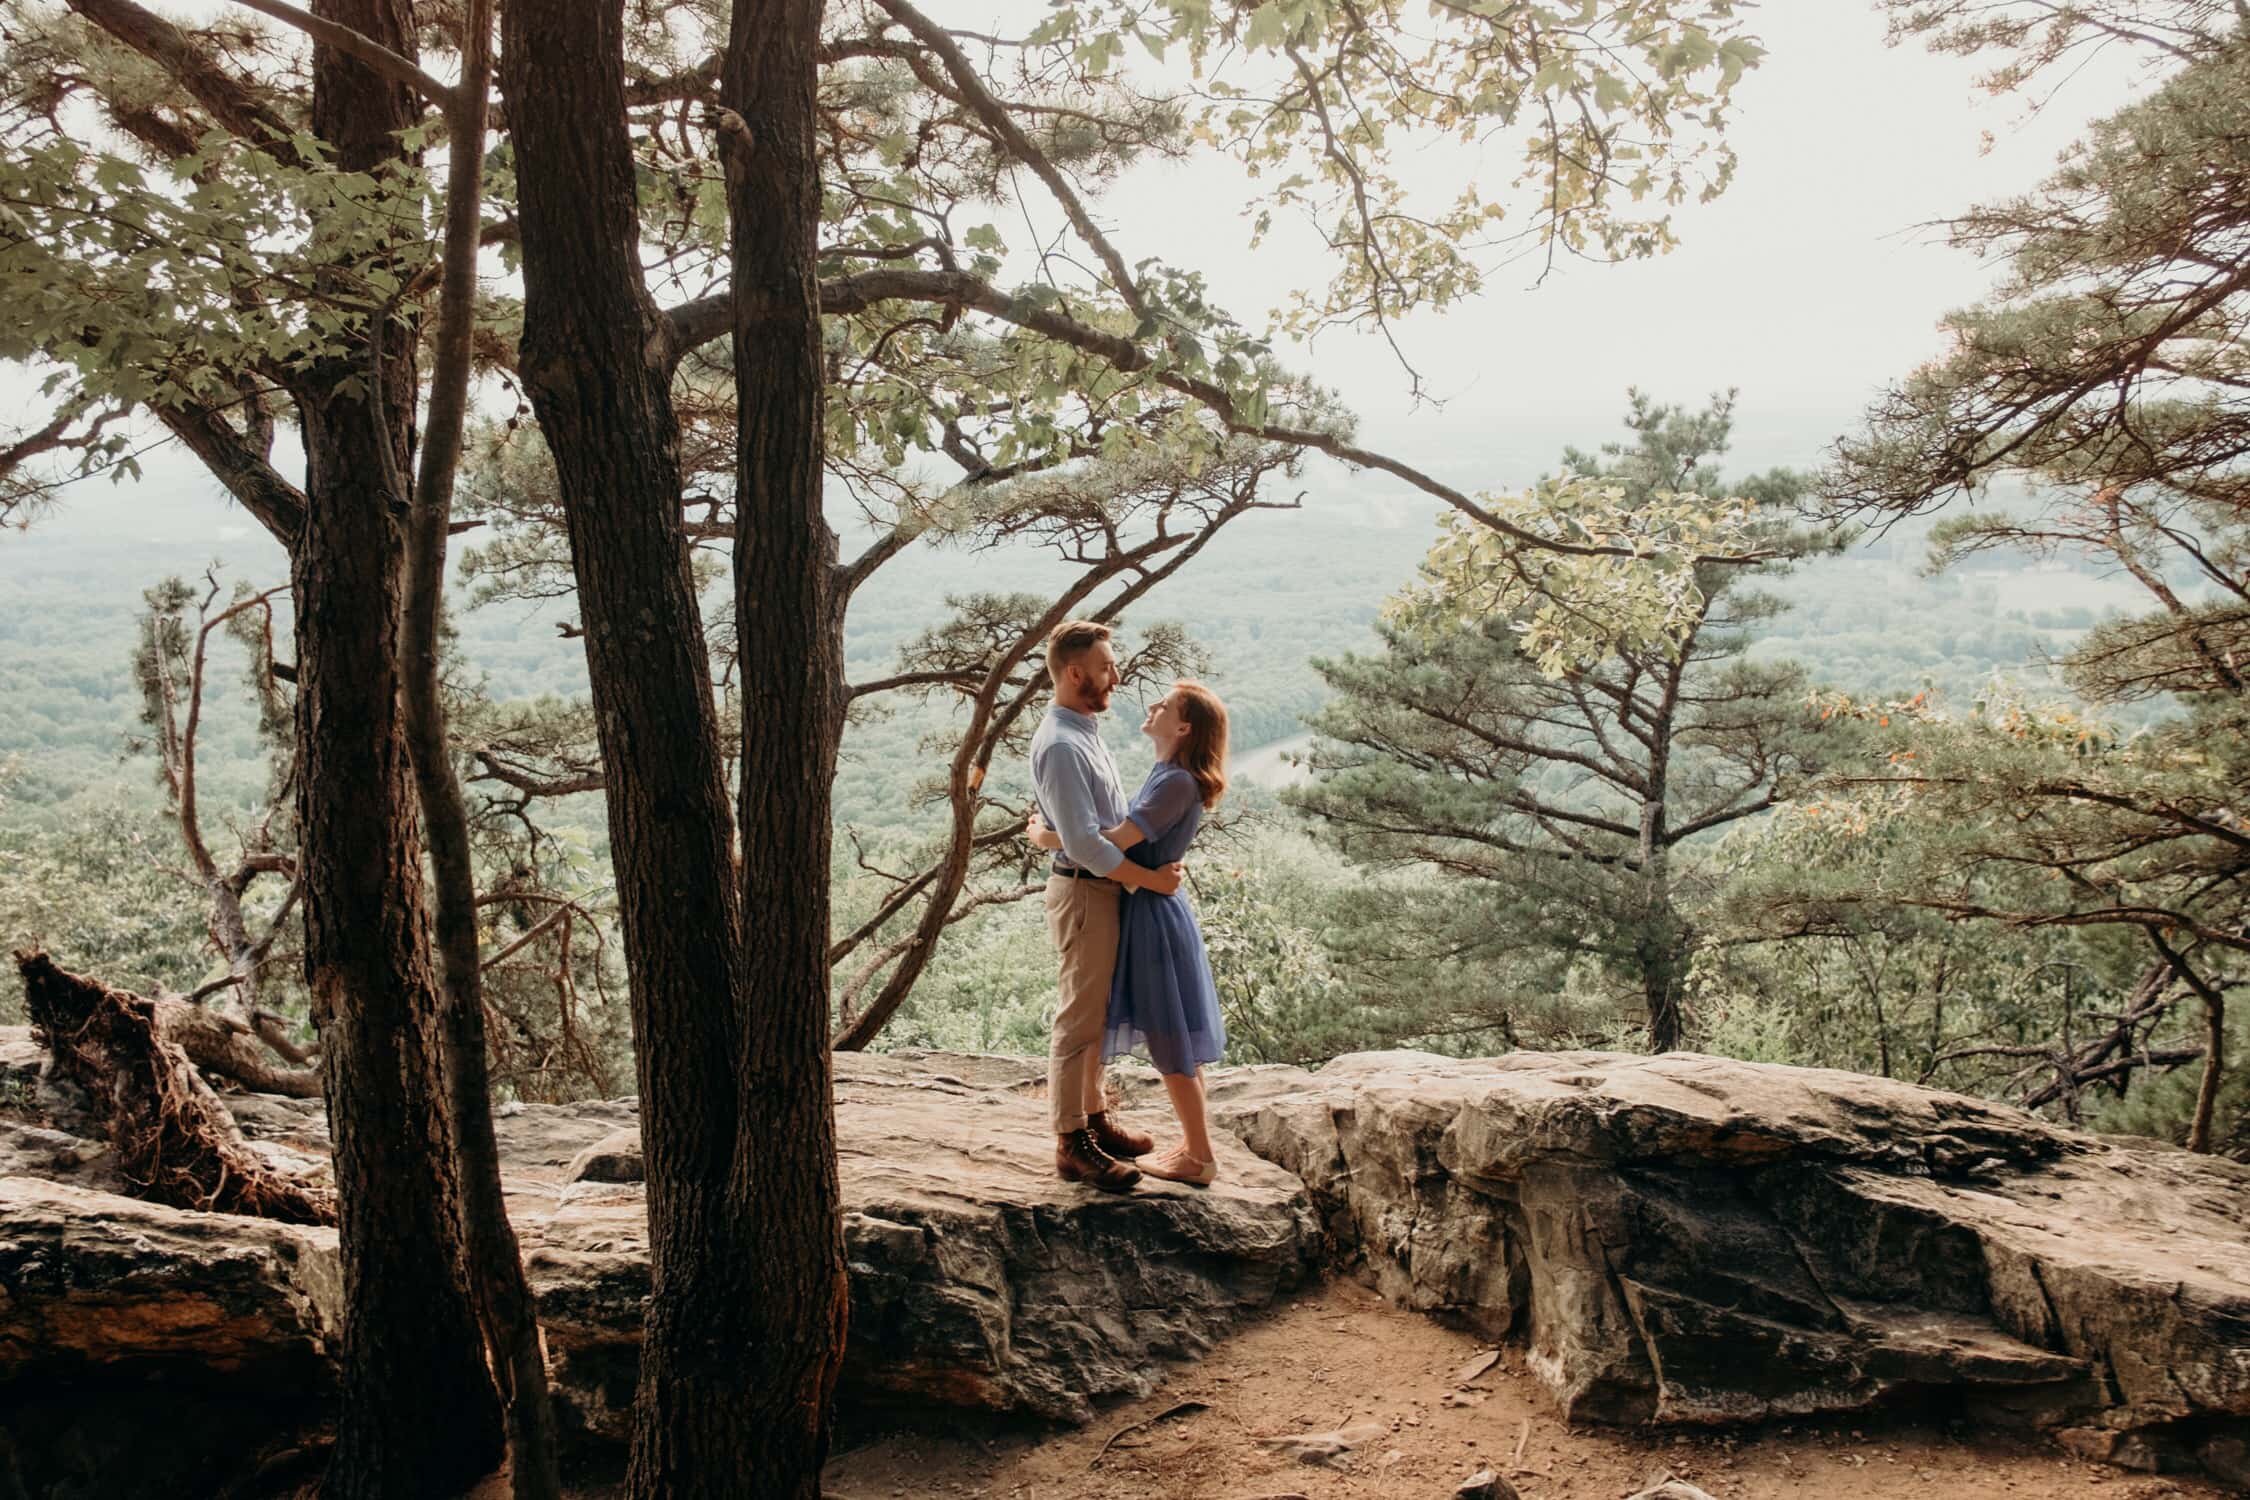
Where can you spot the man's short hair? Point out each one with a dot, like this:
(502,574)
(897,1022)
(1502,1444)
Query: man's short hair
(1069,642)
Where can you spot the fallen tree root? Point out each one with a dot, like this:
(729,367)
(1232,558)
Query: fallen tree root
(175,1142)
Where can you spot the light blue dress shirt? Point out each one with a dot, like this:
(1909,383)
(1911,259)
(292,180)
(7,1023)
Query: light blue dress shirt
(1077,788)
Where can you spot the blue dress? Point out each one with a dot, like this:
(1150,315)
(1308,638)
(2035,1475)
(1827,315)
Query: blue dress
(1161,996)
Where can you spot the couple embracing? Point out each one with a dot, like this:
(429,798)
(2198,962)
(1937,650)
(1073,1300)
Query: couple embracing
(1133,967)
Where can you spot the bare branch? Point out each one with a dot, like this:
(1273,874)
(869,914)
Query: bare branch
(358,45)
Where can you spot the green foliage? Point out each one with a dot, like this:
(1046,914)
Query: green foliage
(1458,967)
(2110,356)
(1633,588)
(2133,830)
(153,286)
(1597,116)
(2107,370)
(2018,899)
(105,895)
(1812,960)
(991,988)
(1574,783)
(1283,998)
(2163,1107)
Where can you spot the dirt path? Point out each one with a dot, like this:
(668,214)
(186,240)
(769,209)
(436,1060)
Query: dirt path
(1340,1356)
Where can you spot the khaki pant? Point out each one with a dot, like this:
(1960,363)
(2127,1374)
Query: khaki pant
(1082,924)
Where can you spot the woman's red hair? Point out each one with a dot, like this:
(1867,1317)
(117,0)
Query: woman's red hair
(1203,751)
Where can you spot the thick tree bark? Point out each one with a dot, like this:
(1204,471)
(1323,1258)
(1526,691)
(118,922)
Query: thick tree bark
(1661,958)
(2214,1070)
(419,1414)
(789,614)
(495,1262)
(596,359)
(420,1417)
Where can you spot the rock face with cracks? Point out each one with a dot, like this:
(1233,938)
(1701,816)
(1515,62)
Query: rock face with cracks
(1687,1239)
(1678,1239)
(978,1280)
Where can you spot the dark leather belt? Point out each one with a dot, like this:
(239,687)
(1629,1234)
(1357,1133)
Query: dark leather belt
(1074,874)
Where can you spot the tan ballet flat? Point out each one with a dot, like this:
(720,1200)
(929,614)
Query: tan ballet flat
(1194,1173)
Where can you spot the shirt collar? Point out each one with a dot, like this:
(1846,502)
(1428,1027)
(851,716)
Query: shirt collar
(1074,718)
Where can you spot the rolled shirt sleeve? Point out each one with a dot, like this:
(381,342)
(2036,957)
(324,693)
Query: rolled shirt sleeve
(1066,790)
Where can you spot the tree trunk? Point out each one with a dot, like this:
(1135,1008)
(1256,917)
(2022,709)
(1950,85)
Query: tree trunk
(419,1417)
(789,614)
(217,1042)
(495,1263)
(1662,996)
(2214,1031)
(596,360)
(2214,1065)
(1663,941)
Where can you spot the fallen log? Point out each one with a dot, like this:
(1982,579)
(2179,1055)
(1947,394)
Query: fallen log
(218,1043)
(175,1142)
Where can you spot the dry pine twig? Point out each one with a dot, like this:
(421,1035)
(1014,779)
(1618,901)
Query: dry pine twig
(1177,1409)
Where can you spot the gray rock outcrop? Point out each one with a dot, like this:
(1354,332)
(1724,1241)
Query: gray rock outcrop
(978,1280)
(149,1351)
(1687,1239)
(95,1281)
(1674,1240)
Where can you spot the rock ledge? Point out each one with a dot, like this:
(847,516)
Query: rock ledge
(1679,1239)
(1688,1239)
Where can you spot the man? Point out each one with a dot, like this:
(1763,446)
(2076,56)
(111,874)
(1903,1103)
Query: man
(1079,795)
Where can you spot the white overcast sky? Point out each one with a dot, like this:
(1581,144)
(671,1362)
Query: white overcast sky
(1809,284)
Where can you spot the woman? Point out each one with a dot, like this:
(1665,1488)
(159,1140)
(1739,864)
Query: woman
(1162,996)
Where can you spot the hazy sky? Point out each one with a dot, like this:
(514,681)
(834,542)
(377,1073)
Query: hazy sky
(1808,285)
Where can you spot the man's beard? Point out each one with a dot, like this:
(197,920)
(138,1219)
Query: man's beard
(1098,699)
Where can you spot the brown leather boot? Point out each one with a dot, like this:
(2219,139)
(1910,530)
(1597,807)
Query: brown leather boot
(1119,1140)
(1078,1159)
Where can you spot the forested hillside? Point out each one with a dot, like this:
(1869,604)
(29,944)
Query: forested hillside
(1263,602)
(1260,602)
(1311,958)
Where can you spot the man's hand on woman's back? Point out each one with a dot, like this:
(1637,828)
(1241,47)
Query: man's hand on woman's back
(1164,880)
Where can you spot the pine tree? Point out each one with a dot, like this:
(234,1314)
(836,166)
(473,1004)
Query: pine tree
(1569,803)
